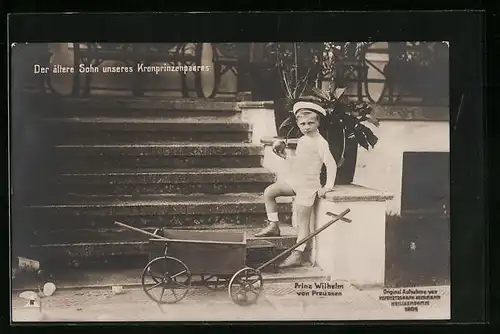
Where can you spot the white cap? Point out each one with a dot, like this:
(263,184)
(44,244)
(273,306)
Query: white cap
(308,105)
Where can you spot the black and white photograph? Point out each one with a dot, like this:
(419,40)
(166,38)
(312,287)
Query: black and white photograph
(209,181)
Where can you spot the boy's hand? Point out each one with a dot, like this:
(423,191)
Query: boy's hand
(279,148)
(322,192)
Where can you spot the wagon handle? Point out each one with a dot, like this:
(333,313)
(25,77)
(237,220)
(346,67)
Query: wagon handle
(289,250)
(141,231)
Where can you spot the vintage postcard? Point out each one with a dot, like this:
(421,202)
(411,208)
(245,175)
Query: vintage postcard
(230,181)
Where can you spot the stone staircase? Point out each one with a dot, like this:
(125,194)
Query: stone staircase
(149,163)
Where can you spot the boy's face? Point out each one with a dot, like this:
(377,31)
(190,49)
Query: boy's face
(308,123)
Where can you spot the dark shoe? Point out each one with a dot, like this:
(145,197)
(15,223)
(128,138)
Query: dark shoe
(293,260)
(271,230)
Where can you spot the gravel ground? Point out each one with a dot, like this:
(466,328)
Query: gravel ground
(277,301)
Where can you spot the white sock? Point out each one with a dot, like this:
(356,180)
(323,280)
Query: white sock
(273,216)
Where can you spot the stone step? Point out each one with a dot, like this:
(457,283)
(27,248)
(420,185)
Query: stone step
(173,211)
(83,228)
(119,130)
(166,181)
(112,233)
(156,155)
(120,247)
(134,107)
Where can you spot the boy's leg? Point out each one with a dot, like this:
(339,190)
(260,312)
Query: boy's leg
(270,194)
(304,218)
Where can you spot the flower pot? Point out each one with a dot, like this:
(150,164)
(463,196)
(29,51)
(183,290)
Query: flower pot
(346,171)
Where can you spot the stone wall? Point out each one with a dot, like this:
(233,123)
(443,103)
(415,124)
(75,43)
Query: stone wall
(382,167)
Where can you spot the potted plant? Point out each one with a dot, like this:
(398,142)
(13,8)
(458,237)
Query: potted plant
(294,68)
(343,127)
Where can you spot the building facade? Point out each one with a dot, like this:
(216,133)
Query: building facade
(408,83)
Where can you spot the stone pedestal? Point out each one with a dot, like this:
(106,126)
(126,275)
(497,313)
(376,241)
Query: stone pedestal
(260,116)
(355,251)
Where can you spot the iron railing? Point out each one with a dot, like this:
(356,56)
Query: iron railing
(390,73)
(382,73)
(142,59)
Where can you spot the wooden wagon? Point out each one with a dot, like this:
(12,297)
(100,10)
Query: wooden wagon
(219,258)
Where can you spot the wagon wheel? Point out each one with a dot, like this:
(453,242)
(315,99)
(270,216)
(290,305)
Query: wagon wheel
(166,280)
(245,286)
(215,283)
(159,233)
(376,58)
(207,82)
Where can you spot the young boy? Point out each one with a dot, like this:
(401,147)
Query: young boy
(302,179)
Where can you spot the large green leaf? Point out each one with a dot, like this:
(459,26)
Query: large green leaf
(350,120)
(339,92)
(361,139)
(363,108)
(370,137)
(324,96)
(372,119)
(290,120)
(288,123)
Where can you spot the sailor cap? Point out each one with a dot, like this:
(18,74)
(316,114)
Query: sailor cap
(308,105)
